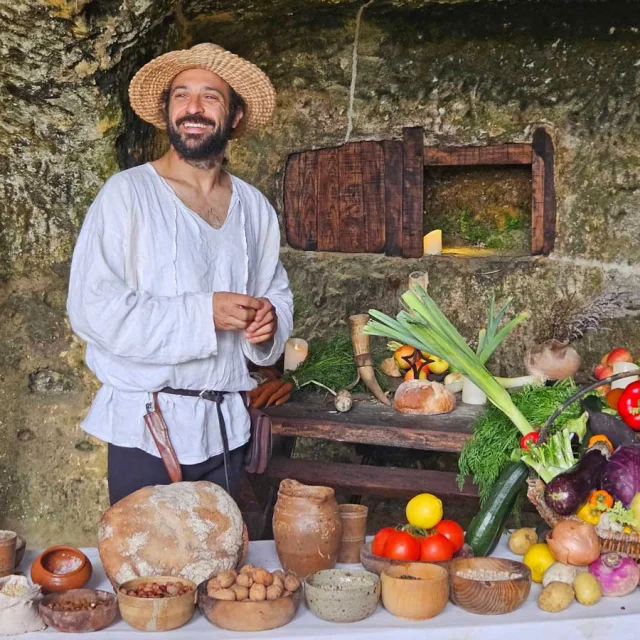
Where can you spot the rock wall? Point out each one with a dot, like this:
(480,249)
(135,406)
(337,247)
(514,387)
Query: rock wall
(468,72)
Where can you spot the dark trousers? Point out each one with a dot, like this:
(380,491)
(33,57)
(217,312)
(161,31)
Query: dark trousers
(130,469)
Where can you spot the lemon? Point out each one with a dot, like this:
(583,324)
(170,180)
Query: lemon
(438,365)
(538,559)
(424,511)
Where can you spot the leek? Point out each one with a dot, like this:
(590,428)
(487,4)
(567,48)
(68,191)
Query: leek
(423,326)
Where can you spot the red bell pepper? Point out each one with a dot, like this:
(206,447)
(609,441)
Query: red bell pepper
(629,405)
(529,439)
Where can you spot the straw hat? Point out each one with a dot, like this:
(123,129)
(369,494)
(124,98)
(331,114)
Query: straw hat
(252,84)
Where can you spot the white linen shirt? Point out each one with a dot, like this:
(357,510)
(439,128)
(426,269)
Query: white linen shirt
(143,274)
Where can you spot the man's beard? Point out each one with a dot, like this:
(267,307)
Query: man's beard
(200,149)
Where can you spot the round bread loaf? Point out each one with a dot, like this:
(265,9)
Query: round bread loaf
(423,397)
(188,529)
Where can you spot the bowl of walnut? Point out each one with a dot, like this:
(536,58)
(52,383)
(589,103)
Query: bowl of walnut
(252,599)
(79,610)
(157,604)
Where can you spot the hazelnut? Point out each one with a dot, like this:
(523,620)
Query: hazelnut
(258,592)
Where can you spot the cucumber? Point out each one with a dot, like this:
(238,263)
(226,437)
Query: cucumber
(488,524)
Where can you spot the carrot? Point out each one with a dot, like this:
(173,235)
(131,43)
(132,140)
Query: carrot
(282,391)
(268,388)
(254,393)
(282,400)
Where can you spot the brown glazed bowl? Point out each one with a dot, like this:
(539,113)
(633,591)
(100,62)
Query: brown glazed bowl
(85,620)
(61,568)
(489,585)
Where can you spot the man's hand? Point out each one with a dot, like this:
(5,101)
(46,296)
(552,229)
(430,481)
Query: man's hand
(233,311)
(264,324)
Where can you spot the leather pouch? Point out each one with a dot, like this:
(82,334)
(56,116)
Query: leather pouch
(259,447)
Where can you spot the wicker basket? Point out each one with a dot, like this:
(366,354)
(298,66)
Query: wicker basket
(628,543)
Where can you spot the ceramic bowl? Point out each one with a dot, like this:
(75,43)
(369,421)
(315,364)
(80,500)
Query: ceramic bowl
(101,616)
(489,585)
(338,595)
(415,590)
(61,568)
(156,614)
(247,615)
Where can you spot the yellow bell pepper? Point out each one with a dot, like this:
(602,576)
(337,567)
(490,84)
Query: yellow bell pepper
(589,513)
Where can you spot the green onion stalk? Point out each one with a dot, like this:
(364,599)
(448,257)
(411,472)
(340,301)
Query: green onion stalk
(423,325)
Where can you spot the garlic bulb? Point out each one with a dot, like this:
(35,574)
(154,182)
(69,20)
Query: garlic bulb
(343,401)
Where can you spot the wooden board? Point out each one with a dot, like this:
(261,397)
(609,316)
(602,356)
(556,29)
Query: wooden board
(292,191)
(369,422)
(328,200)
(543,213)
(353,236)
(393,169)
(390,482)
(491,154)
(413,193)
(372,164)
(308,219)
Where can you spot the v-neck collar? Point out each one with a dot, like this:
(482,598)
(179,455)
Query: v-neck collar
(174,195)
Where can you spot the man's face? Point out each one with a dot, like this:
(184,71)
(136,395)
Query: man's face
(199,121)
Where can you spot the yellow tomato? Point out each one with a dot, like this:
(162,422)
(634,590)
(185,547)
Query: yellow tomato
(424,511)
(423,369)
(538,559)
(405,351)
(438,365)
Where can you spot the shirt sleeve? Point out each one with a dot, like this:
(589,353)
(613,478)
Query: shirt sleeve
(271,282)
(106,309)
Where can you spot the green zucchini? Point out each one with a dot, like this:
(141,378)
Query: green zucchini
(488,524)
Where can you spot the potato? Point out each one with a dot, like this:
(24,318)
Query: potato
(521,540)
(556,597)
(587,588)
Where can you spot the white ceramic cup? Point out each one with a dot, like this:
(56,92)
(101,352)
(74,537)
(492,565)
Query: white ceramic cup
(624,367)
(471,394)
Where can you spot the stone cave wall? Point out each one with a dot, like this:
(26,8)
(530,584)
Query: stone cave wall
(468,72)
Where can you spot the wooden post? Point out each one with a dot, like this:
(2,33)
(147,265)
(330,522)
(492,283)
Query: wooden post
(543,206)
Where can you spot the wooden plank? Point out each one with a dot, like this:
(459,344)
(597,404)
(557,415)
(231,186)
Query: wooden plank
(413,193)
(390,482)
(328,201)
(309,201)
(543,148)
(353,232)
(537,204)
(488,155)
(292,193)
(369,422)
(393,169)
(372,163)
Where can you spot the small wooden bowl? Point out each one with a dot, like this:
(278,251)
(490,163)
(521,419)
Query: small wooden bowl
(247,615)
(61,568)
(157,614)
(489,585)
(422,595)
(84,620)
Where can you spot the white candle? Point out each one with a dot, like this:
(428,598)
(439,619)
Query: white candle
(471,394)
(623,367)
(419,277)
(432,243)
(295,352)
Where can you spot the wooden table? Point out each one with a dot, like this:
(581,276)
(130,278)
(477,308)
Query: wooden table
(371,423)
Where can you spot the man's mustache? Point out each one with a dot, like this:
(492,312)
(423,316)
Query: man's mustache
(195,120)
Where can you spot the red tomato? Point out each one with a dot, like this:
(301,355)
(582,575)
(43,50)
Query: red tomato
(453,532)
(377,546)
(435,548)
(401,545)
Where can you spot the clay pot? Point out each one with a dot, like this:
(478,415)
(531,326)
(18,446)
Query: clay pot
(61,568)
(7,552)
(307,528)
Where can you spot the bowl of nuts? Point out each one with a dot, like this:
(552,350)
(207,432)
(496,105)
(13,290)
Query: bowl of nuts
(79,610)
(157,604)
(252,599)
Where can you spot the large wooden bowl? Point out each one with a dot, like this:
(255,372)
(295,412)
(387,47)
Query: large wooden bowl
(247,615)
(417,590)
(489,585)
(85,620)
(156,614)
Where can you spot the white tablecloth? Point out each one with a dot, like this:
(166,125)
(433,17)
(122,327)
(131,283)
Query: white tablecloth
(611,618)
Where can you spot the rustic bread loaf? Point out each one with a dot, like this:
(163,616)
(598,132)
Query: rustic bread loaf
(423,397)
(187,529)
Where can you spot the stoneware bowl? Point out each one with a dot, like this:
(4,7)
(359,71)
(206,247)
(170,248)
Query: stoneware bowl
(156,614)
(61,568)
(247,615)
(338,595)
(101,616)
(416,590)
(489,585)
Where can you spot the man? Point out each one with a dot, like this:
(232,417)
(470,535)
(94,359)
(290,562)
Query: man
(176,279)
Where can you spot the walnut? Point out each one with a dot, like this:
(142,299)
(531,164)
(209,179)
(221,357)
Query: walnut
(278,573)
(244,580)
(278,580)
(213,585)
(226,578)
(286,594)
(262,576)
(223,594)
(242,593)
(274,591)
(291,583)
(248,569)
(258,592)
